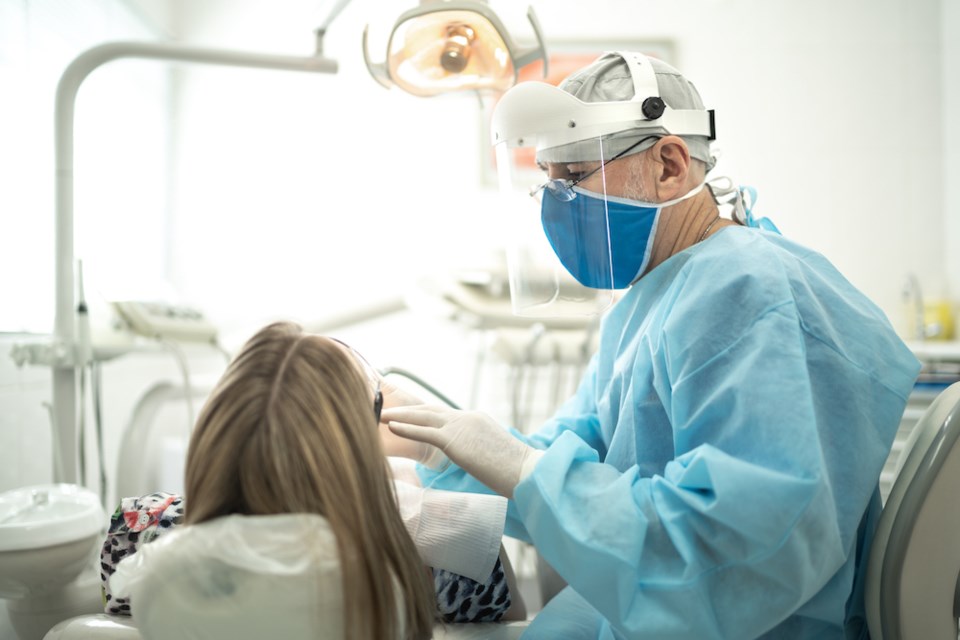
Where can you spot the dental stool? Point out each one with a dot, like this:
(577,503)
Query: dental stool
(236,576)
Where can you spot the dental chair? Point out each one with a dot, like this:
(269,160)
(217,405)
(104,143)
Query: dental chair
(142,435)
(912,588)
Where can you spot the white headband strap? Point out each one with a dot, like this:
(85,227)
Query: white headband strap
(641,70)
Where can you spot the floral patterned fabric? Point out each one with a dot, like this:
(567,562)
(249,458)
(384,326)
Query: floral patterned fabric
(136,521)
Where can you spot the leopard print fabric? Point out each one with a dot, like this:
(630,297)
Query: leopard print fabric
(460,599)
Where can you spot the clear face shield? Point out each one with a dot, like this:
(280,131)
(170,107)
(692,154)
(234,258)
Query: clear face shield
(558,239)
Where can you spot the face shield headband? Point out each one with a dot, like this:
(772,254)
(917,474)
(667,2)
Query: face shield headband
(540,115)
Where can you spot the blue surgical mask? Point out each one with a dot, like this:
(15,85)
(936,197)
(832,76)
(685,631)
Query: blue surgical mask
(582,229)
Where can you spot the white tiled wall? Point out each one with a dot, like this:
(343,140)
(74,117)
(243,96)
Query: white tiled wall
(25,434)
(24,422)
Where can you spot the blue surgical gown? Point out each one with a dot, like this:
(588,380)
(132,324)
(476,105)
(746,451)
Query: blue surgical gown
(715,475)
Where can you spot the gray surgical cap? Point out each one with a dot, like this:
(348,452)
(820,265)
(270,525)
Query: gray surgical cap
(608,79)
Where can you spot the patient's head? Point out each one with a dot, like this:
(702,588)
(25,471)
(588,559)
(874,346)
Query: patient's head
(290,428)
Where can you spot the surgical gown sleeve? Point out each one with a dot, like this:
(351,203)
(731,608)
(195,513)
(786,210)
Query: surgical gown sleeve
(781,411)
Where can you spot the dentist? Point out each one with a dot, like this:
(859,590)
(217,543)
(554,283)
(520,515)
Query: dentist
(716,473)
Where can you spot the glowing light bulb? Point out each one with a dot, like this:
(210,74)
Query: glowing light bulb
(457,49)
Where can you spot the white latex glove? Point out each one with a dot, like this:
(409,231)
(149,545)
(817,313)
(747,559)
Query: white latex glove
(473,440)
(394,445)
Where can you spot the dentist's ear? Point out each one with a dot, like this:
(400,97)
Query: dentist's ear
(670,164)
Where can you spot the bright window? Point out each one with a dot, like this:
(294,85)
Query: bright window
(120,155)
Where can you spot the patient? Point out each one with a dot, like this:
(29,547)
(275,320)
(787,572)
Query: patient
(294,527)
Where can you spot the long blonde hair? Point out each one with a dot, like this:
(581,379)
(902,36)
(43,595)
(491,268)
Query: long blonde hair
(290,428)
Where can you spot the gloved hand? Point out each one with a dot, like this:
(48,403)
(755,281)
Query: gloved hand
(473,440)
(394,445)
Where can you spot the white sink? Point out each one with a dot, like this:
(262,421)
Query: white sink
(48,534)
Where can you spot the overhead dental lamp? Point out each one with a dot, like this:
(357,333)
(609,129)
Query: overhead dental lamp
(444,46)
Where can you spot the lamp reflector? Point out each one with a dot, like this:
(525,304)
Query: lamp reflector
(448,51)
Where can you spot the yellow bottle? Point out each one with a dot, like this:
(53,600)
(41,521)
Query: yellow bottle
(938,320)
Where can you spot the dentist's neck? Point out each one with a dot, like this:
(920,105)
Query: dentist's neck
(684,224)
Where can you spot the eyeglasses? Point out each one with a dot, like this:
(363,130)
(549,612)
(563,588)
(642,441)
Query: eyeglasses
(562,189)
(372,375)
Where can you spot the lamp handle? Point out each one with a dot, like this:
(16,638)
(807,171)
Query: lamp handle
(524,58)
(378,71)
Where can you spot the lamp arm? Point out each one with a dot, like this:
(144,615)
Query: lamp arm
(64,408)
(338,6)
(523,58)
